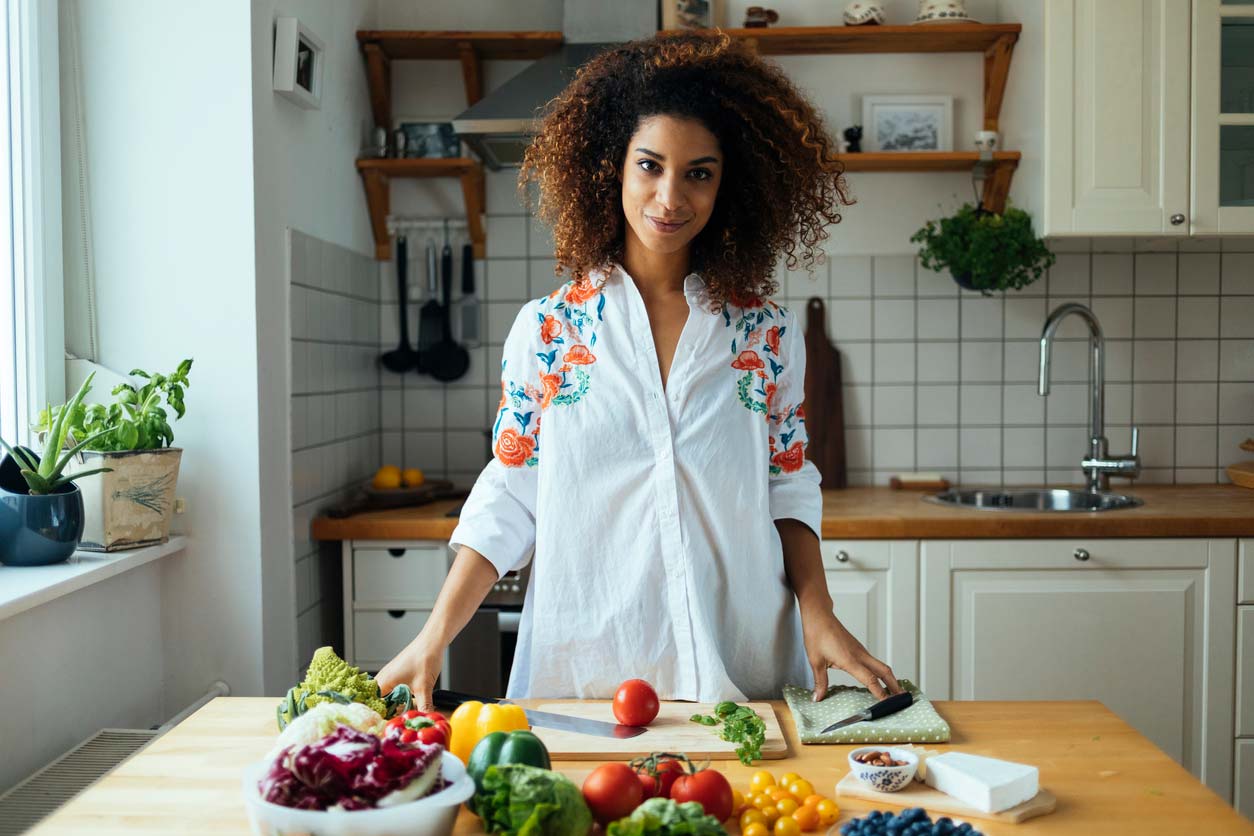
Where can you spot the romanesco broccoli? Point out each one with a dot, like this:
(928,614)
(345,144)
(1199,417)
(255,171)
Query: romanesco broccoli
(331,679)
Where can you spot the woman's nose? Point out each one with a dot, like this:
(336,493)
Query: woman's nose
(670,193)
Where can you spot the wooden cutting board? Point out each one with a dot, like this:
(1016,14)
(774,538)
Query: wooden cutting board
(934,801)
(671,731)
(824,404)
(1242,474)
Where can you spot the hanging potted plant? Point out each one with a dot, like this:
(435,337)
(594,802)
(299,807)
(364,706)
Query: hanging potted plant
(983,250)
(41,509)
(130,503)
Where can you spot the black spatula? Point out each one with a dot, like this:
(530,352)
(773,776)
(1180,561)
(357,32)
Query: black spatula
(403,357)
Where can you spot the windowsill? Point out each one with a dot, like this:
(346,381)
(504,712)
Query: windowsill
(24,587)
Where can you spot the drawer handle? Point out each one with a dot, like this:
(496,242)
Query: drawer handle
(397,613)
(1081,555)
(842,556)
(396,552)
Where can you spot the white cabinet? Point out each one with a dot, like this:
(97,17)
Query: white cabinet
(874,587)
(1116,146)
(1144,626)
(1244,796)
(1223,117)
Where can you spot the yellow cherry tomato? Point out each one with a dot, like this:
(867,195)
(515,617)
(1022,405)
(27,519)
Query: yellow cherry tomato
(755,829)
(807,818)
(776,793)
(787,778)
(772,815)
(738,801)
(787,826)
(801,788)
(787,806)
(811,800)
(751,816)
(761,801)
(828,812)
(761,780)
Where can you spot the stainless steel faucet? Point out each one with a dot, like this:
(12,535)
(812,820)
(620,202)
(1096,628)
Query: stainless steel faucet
(1098,464)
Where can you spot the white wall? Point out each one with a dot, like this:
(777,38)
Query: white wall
(304,179)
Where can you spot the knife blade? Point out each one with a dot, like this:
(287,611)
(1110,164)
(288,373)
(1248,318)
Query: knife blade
(883,708)
(545,719)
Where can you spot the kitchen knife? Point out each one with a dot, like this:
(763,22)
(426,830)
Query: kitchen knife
(883,708)
(445,700)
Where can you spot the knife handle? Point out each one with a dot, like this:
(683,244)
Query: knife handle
(451,699)
(891,705)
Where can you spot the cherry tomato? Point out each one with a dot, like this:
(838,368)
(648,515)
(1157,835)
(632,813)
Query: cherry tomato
(612,791)
(755,829)
(787,806)
(811,800)
(807,818)
(779,794)
(828,812)
(635,703)
(738,802)
(761,780)
(801,788)
(657,785)
(772,815)
(707,787)
(750,816)
(787,826)
(761,801)
(787,778)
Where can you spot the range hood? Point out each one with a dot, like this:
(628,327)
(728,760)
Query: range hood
(499,126)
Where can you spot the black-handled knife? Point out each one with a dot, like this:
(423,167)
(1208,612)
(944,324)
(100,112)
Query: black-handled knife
(883,708)
(598,728)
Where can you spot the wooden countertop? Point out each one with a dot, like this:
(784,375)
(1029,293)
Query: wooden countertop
(1107,778)
(883,513)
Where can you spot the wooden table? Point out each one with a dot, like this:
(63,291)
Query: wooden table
(1107,777)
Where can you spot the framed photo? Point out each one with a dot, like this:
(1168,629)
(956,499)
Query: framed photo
(424,138)
(908,123)
(298,56)
(692,14)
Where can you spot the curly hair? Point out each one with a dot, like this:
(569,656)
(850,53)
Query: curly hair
(782,184)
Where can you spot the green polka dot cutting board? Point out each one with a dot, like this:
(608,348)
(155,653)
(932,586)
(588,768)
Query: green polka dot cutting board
(917,724)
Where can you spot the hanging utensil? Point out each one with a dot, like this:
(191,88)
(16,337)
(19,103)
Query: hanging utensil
(430,316)
(403,357)
(447,360)
(468,305)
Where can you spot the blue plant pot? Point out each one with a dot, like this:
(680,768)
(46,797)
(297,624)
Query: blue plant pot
(37,530)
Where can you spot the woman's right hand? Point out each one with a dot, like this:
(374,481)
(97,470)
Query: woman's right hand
(417,666)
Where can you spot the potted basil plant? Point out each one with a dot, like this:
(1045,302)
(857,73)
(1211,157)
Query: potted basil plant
(983,250)
(41,509)
(130,502)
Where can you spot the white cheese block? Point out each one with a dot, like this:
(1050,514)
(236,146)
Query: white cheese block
(985,783)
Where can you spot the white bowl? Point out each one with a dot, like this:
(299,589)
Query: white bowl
(430,816)
(885,778)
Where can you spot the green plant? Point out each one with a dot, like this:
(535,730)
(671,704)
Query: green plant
(983,250)
(135,420)
(44,474)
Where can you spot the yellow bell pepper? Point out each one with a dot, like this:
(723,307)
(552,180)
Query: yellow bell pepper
(473,720)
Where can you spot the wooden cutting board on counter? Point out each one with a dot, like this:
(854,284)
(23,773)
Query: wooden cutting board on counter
(671,731)
(936,802)
(824,403)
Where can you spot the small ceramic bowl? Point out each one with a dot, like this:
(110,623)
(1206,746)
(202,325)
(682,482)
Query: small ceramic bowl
(885,778)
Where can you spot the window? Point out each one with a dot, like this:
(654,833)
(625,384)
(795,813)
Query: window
(12,295)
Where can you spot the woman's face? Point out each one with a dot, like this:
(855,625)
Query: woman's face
(670,179)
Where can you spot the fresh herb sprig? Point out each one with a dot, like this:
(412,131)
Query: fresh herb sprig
(741,725)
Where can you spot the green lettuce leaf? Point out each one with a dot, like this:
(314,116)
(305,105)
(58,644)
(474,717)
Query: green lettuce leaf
(664,817)
(519,800)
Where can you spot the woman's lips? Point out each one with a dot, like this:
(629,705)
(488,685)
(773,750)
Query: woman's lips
(664,227)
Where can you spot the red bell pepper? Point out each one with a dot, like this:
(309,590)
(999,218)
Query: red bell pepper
(423,726)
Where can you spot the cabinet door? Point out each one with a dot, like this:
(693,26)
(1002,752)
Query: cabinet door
(1223,118)
(1244,800)
(874,586)
(1144,626)
(1116,152)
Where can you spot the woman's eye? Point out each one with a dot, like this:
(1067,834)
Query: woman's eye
(701,173)
(645,164)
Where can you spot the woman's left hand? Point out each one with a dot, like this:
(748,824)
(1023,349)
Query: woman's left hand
(830,645)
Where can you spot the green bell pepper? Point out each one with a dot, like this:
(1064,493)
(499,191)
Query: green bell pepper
(501,748)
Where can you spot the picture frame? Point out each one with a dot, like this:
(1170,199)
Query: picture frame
(428,138)
(298,58)
(908,123)
(692,14)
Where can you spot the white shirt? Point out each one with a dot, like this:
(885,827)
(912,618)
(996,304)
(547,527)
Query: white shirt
(651,510)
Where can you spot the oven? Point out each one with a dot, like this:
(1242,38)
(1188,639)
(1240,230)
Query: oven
(480,658)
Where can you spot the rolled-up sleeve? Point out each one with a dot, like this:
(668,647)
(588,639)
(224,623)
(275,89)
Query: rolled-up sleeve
(498,519)
(794,480)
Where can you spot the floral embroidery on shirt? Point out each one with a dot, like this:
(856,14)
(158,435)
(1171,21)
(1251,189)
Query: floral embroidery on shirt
(755,347)
(790,424)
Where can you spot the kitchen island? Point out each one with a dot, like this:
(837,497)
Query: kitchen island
(1107,778)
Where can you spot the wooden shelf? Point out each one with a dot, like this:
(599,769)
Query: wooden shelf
(828,40)
(996,184)
(376,175)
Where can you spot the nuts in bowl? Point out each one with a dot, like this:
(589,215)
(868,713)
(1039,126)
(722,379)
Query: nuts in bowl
(887,770)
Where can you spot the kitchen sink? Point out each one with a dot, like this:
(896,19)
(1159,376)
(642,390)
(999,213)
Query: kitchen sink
(1038,499)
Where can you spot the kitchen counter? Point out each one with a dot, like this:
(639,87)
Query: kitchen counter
(883,513)
(1107,777)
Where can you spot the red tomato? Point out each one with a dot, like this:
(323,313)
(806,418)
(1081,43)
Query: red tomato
(708,788)
(612,791)
(668,769)
(635,703)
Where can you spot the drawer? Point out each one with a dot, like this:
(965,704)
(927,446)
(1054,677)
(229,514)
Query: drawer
(1244,783)
(378,635)
(1245,585)
(1245,674)
(857,554)
(409,576)
(1088,554)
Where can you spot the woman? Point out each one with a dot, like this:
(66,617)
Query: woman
(650,439)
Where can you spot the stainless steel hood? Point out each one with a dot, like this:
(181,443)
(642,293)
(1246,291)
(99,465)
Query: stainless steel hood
(499,126)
